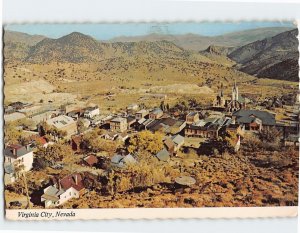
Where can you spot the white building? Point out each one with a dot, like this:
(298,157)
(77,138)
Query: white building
(69,187)
(64,123)
(19,155)
(91,112)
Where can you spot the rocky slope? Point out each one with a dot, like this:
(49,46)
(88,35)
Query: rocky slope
(274,57)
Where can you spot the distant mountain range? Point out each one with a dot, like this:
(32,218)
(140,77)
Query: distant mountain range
(198,42)
(263,52)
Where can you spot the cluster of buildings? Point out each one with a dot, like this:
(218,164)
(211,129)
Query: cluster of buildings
(225,114)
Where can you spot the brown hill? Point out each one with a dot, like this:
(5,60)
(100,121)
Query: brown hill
(77,47)
(17,44)
(198,42)
(274,57)
(20,37)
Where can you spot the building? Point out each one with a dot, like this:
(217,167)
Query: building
(156,114)
(192,118)
(118,124)
(207,128)
(141,114)
(19,155)
(90,160)
(163,155)
(76,142)
(130,121)
(64,123)
(69,187)
(178,141)
(167,125)
(235,103)
(209,132)
(254,119)
(91,112)
(122,160)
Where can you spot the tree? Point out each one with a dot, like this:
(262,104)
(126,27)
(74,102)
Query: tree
(146,141)
(54,153)
(80,126)
(269,135)
(93,142)
(19,170)
(11,134)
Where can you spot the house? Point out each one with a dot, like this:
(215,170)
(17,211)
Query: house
(118,124)
(39,141)
(141,114)
(69,187)
(156,114)
(163,155)
(43,116)
(64,123)
(76,113)
(130,121)
(90,160)
(170,145)
(122,136)
(110,136)
(97,120)
(19,155)
(91,112)
(166,125)
(192,118)
(254,119)
(208,131)
(292,140)
(76,141)
(121,160)
(178,141)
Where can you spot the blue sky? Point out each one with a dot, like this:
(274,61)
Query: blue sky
(111,30)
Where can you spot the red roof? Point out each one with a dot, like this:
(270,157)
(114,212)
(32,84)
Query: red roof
(15,146)
(77,139)
(41,140)
(74,180)
(91,160)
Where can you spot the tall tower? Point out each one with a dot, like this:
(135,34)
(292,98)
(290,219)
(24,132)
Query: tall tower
(235,92)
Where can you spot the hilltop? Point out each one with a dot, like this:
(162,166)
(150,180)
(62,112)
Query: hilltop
(274,57)
(198,42)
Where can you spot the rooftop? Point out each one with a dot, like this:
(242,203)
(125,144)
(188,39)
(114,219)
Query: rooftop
(60,121)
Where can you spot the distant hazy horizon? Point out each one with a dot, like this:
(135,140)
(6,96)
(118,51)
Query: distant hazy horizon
(106,31)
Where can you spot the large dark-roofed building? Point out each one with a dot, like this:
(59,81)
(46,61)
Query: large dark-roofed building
(250,117)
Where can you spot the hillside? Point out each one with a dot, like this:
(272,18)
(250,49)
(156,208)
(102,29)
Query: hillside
(198,42)
(20,37)
(274,57)
(17,44)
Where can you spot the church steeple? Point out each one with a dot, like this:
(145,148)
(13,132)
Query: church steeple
(235,92)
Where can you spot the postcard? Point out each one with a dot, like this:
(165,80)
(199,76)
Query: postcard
(151,120)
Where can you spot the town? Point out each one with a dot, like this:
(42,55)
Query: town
(70,155)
